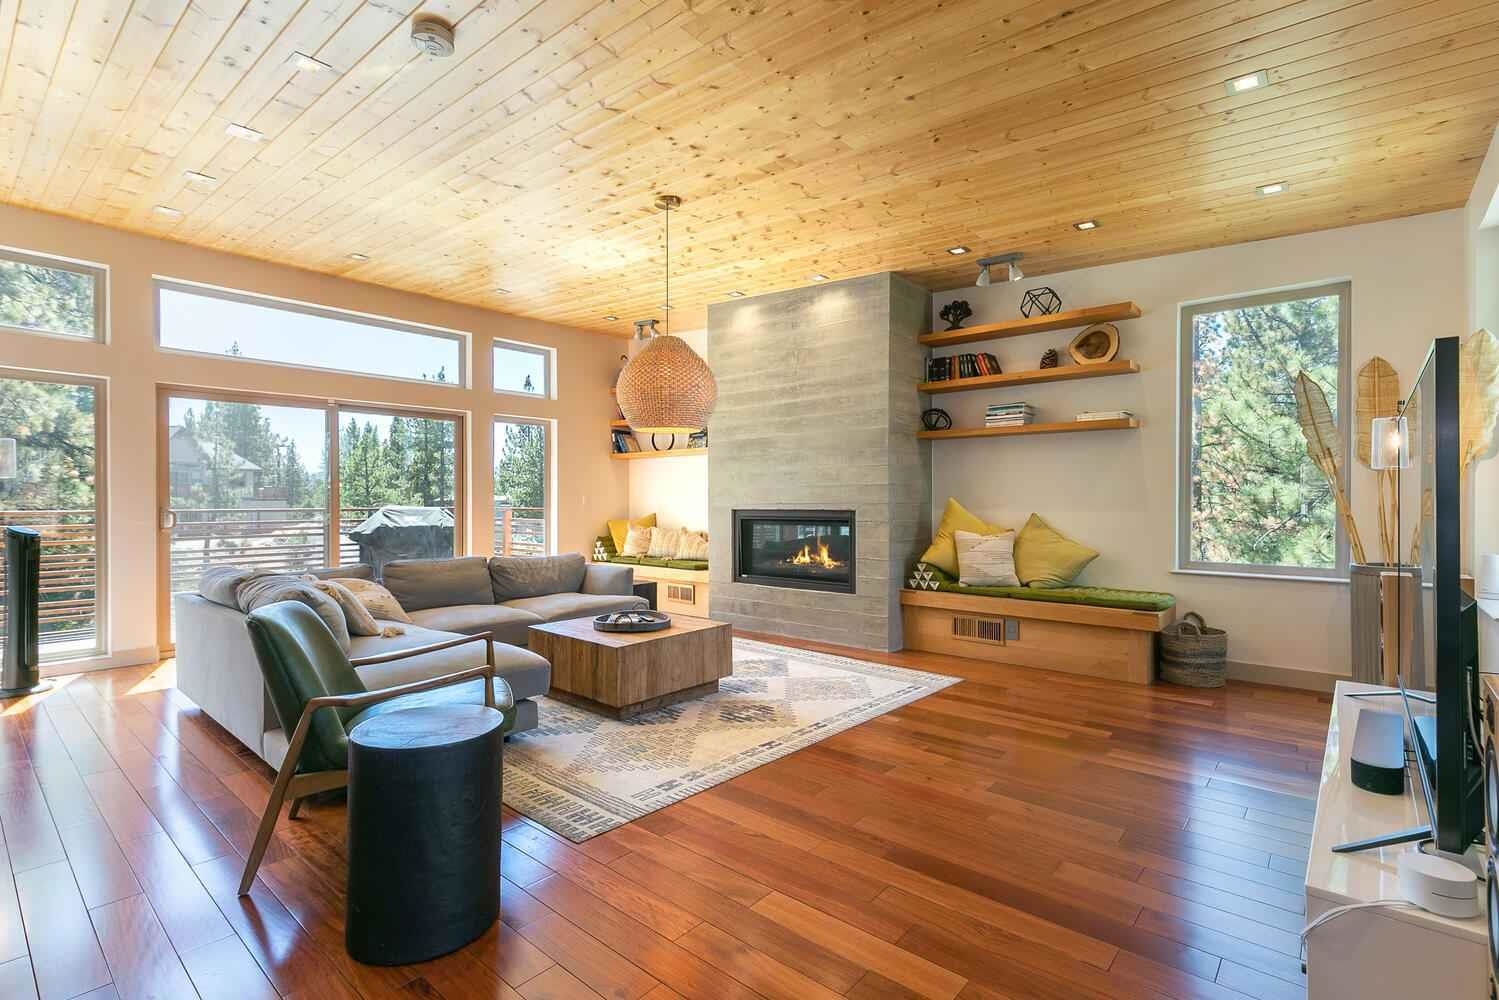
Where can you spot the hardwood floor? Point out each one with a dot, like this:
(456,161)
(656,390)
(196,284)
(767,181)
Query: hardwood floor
(1020,835)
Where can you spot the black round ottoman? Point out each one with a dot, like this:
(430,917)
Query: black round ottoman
(424,832)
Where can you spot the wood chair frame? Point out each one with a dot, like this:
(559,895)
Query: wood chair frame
(299,786)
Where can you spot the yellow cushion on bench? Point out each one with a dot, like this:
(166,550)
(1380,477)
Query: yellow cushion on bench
(943,552)
(1045,558)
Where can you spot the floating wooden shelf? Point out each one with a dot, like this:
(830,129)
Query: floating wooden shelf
(630,456)
(1071,373)
(1069,427)
(621,425)
(1065,320)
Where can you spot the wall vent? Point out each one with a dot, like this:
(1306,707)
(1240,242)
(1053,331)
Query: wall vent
(684,592)
(979,629)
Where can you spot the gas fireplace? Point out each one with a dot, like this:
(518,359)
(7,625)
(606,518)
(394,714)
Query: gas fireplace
(810,549)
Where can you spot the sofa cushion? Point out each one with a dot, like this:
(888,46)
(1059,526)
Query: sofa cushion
(504,623)
(557,607)
(928,577)
(220,584)
(273,588)
(438,583)
(693,564)
(533,576)
(527,673)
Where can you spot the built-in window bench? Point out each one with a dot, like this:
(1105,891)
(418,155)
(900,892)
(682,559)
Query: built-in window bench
(1075,638)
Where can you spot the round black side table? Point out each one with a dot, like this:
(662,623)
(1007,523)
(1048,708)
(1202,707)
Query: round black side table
(424,832)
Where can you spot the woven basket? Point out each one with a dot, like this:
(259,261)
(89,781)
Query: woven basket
(1193,654)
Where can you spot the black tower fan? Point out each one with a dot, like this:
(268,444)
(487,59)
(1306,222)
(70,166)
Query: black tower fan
(20,673)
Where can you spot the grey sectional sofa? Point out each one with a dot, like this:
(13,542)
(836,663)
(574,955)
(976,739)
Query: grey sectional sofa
(504,596)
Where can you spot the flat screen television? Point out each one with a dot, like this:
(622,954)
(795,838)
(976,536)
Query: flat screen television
(1438,618)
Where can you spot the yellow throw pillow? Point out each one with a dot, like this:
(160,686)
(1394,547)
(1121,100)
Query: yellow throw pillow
(619,527)
(1046,558)
(943,552)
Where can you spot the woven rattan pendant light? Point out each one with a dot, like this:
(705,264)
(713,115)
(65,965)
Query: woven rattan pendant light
(667,388)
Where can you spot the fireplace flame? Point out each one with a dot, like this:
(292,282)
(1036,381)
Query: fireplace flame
(806,557)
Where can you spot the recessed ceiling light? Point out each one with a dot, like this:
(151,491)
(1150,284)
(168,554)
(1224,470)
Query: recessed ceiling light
(1279,187)
(502,291)
(1085,225)
(665,307)
(359,256)
(237,131)
(957,251)
(199,178)
(611,319)
(1244,84)
(736,295)
(168,211)
(819,277)
(303,61)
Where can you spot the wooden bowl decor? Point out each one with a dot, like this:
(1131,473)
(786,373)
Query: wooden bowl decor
(632,621)
(1095,345)
(1041,301)
(936,420)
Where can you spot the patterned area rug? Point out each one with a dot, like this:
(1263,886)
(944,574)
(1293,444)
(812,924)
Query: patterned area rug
(581,774)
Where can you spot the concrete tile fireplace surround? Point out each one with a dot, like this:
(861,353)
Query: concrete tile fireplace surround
(816,418)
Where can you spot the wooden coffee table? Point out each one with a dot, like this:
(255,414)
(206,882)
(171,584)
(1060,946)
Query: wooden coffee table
(622,674)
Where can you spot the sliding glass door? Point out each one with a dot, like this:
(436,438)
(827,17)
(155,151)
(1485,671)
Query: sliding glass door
(256,482)
(56,489)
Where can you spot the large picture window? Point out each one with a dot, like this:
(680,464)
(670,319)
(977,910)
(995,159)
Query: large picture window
(206,320)
(1251,499)
(522,464)
(48,295)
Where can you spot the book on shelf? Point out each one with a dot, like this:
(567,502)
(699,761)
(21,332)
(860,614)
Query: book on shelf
(623,442)
(962,366)
(1087,415)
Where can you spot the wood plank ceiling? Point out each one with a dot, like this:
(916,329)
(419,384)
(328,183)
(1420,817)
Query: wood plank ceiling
(839,137)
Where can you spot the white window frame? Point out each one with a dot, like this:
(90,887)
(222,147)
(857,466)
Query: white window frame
(161,282)
(548,365)
(1342,288)
(98,272)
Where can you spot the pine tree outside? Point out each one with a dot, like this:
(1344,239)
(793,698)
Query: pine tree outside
(1255,501)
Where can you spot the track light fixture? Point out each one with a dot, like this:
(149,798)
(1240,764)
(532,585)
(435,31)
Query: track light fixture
(1012,265)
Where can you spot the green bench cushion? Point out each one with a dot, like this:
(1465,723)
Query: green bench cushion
(928,577)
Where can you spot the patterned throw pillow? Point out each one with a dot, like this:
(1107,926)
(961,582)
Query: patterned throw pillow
(378,601)
(361,622)
(693,545)
(619,527)
(986,560)
(664,543)
(637,542)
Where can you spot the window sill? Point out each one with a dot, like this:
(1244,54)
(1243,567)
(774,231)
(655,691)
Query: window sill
(1246,575)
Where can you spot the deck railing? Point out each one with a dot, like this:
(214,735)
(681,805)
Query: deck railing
(69,575)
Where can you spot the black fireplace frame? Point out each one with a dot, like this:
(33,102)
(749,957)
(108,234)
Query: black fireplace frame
(830,517)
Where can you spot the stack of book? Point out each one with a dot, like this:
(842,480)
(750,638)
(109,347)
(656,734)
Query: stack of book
(623,442)
(1009,415)
(961,366)
(1105,415)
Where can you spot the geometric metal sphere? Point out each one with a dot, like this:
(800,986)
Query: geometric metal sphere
(666,388)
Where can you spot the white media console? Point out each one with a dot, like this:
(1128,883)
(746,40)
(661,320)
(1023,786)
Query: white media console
(1372,954)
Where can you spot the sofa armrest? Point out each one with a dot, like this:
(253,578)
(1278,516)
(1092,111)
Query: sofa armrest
(217,669)
(607,578)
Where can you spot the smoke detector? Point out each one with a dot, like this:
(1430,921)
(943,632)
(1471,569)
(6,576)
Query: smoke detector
(432,36)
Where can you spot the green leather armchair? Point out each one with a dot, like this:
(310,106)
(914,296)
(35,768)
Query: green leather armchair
(319,698)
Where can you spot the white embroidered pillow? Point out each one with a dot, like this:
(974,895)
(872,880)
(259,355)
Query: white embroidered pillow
(694,545)
(664,543)
(637,541)
(361,622)
(986,560)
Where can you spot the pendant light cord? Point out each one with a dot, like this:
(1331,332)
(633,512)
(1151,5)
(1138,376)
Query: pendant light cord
(668,269)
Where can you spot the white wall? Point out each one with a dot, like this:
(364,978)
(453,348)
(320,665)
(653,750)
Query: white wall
(589,487)
(674,489)
(1116,491)
(1481,234)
